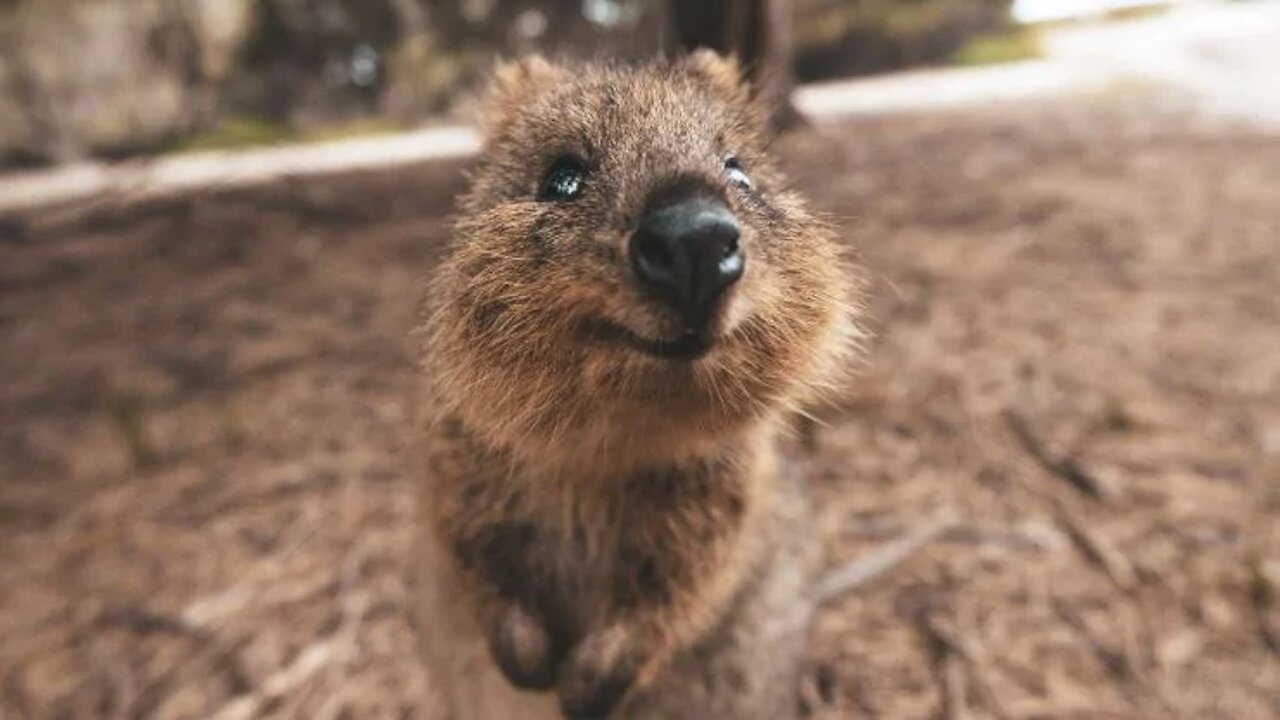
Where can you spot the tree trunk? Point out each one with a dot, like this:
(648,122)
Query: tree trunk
(757,32)
(48,141)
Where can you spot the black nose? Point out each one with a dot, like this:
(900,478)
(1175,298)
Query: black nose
(687,254)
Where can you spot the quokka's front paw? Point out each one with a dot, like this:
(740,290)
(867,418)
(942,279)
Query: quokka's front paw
(600,671)
(525,649)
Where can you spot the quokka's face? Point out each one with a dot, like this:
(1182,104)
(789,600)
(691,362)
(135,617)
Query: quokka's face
(628,242)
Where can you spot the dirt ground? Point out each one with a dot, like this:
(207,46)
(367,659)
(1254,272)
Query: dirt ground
(1070,414)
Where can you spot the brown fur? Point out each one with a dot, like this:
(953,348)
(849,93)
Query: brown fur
(598,514)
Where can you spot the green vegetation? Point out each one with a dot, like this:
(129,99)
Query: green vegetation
(1137,13)
(237,133)
(1008,46)
(242,132)
(868,36)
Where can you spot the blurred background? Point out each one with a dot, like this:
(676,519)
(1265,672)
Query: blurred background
(1058,473)
(117,78)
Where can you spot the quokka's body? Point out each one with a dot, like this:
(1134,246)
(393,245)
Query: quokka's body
(631,307)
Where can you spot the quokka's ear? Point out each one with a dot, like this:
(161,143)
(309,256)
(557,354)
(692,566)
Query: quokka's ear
(727,80)
(723,74)
(515,84)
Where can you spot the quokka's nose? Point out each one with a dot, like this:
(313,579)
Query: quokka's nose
(687,254)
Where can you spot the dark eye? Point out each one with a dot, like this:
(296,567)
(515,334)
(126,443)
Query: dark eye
(737,175)
(564,180)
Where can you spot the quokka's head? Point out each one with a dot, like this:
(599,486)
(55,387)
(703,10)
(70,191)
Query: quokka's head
(629,272)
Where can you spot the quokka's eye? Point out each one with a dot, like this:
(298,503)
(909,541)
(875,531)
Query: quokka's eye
(565,179)
(737,175)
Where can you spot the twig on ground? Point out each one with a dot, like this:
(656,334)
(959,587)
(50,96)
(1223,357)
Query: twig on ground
(817,689)
(1065,468)
(848,577)
(253,587)
(338,647)
(310,661)
(954,704)
(1117,663)
(143,621)
(952,649)
(1030,535)
(1118,657)
(1097,549)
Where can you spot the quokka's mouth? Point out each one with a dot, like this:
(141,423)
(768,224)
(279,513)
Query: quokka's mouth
(690,346)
